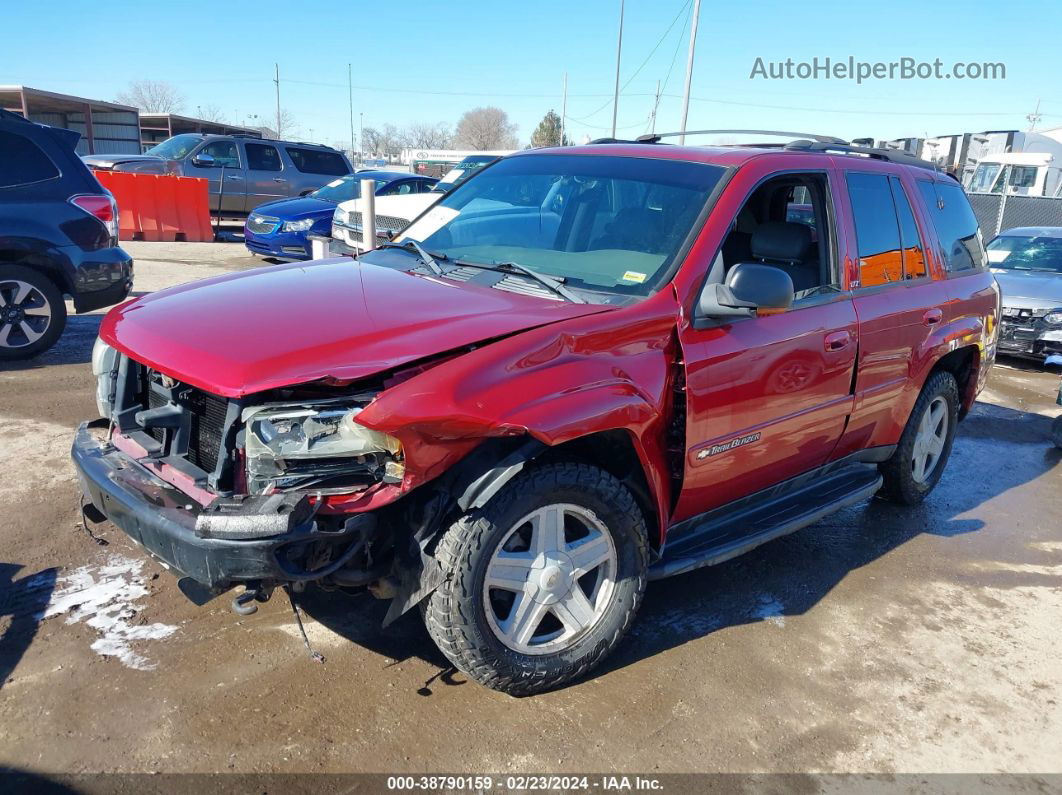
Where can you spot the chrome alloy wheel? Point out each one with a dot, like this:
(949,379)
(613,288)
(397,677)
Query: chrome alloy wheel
(550,580)
(25,314)
(930,440)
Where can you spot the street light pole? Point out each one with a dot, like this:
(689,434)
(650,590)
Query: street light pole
(361,138)
(276,80)
(564,107)
(619,50)
(689,69)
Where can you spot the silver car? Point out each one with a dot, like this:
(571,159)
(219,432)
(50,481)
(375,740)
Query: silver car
(243,171)
(1027,263)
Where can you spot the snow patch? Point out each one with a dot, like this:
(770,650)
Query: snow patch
(105,598)
(769,609)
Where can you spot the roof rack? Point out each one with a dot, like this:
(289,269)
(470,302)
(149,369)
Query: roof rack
(844,148)
(826,139)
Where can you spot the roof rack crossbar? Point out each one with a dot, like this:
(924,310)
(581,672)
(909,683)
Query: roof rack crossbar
(826,139)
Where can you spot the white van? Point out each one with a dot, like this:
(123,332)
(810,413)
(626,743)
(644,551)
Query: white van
(394,213)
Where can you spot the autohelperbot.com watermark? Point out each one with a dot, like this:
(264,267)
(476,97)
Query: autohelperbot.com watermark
(850,68)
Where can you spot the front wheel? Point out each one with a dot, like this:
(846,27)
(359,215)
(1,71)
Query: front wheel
(918,462)
(542,582)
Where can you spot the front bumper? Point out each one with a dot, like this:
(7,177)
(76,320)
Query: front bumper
(281,245)
(1030,337)
(164,520)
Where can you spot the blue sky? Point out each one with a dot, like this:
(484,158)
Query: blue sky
(430,61)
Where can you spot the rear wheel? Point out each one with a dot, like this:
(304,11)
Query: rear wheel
(916,466)
(541,583)
(32,312)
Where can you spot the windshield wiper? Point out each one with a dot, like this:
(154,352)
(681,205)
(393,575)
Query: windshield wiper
(552,283)
(415,248)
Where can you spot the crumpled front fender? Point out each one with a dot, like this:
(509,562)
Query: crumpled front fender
(555,383)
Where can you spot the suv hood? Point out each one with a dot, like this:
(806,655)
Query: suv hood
(1029,289)
(243,333)
(106,162)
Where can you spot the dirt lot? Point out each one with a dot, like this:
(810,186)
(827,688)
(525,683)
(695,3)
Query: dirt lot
(881,640)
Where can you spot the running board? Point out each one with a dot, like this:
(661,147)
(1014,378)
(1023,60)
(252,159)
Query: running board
(730,531)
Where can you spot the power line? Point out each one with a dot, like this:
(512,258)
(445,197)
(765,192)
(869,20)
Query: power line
(656,46)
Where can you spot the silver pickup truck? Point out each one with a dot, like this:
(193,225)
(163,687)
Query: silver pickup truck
(243,171)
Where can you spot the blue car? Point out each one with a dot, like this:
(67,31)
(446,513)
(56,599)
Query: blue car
(281,229)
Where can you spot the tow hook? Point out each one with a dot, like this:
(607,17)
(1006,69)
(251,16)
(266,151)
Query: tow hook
(246,603)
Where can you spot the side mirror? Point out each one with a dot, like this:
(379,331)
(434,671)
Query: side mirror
(750,288)
(204,160)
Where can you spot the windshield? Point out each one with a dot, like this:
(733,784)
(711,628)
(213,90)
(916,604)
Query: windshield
(340,190)
(602,223)
(177,147)
(1026,253)
(459,173)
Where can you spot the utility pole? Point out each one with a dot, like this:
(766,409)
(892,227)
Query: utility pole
(361,138)
(689,69)
(1034,117)
(656,104)
(276,80)
(564,107)
(619,50)
(350,97)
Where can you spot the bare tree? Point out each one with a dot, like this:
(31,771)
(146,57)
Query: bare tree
(152,96)
(384,140)
(288,126)
(423,135)
(212,113)
(485,128)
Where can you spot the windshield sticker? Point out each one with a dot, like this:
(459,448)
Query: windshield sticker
(997,255)
(634,276)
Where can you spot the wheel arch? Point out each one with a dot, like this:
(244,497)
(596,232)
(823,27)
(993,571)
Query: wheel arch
(963,363)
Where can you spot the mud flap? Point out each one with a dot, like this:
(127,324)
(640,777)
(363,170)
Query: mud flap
(416,583)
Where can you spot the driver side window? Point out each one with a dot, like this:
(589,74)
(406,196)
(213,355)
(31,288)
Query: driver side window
(223,152)
(785,223)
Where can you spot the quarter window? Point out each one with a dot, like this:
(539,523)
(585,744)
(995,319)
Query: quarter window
(22,162)
(877,232)
(263,157)
(315,161)
(914,259)
(955,224)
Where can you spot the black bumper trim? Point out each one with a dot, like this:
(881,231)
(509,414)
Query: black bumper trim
(162,519)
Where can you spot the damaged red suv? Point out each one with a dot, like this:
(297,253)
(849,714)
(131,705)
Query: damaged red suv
(583,369)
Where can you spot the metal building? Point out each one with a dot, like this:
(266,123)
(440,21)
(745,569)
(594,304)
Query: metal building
(105,127)
(156,127)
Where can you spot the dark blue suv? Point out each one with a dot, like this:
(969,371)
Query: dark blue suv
(281,229)
(58,237)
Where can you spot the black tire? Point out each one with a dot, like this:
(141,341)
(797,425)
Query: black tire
(15,345)
(900,484)
(456,616)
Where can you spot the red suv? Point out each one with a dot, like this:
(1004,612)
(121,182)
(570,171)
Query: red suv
(583,369)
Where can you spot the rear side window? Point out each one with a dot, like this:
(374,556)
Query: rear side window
(314,161)
(263,157)
(914,258)
(955,224)
(22,162)
(877,233)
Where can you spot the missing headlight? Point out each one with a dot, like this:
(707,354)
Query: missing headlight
(316,445)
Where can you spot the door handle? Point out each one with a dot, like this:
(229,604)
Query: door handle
(279,179)
(233,176)
(932,317)
(837,341)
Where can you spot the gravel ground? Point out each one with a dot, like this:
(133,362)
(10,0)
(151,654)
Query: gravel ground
(881,640)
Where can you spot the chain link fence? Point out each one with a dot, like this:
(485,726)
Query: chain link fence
(1018,211)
